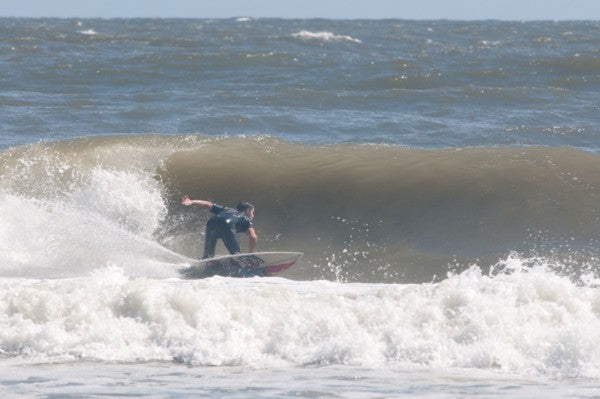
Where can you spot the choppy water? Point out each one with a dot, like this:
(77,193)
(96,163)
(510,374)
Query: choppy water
(442,179)
(425,84)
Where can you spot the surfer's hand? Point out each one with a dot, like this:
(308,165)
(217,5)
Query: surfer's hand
(186,200)
(201,203)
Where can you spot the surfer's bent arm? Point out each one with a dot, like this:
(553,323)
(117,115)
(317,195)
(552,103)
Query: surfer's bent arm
(201,203)
(252,239)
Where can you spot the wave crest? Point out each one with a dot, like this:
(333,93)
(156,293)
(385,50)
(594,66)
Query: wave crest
(324,36)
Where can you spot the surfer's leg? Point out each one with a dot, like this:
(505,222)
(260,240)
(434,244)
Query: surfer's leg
(227,233)
(210,239)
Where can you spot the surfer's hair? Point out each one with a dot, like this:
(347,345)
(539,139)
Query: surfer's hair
(244,206)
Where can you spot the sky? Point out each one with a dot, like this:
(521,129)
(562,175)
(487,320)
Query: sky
(350,9)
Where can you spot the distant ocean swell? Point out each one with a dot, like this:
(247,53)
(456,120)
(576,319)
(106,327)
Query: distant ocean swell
(421,84)
(368,213)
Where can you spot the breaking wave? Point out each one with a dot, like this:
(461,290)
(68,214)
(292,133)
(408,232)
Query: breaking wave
(323,36)
(365,213)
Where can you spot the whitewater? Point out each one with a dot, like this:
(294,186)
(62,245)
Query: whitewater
(526,321)
(441,178)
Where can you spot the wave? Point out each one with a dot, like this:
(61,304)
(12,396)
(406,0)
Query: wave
(521,319)
(323,36)
(88,32)
(369,213)
(577,64)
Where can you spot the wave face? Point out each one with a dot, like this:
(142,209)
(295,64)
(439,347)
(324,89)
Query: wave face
(365,213)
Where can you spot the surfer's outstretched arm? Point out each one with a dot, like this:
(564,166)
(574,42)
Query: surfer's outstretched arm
(201,203)
(252,239)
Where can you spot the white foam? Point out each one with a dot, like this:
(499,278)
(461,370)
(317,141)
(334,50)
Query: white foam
(131,199)
(323,36)
(107,218)
(529,322)
(88,32)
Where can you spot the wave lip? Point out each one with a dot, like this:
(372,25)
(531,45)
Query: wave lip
(324,36)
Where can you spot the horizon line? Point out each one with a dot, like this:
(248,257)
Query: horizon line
(311,18)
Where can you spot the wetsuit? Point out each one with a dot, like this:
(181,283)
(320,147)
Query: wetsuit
(225,223)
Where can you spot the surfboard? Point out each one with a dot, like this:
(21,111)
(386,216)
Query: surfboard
(242,265)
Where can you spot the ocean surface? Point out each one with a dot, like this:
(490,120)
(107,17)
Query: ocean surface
(442,179)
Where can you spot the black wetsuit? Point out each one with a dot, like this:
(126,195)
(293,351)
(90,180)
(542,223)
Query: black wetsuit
(224,225)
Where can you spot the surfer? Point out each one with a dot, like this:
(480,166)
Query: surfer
(225,223)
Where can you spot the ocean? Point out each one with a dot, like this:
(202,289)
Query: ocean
(442,179)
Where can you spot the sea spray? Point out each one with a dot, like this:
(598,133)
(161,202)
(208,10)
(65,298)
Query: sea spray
(110,218)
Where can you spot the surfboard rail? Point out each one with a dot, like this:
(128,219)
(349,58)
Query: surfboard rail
(262,264)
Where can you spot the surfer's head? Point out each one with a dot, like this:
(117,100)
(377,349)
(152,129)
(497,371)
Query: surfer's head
(247,208)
